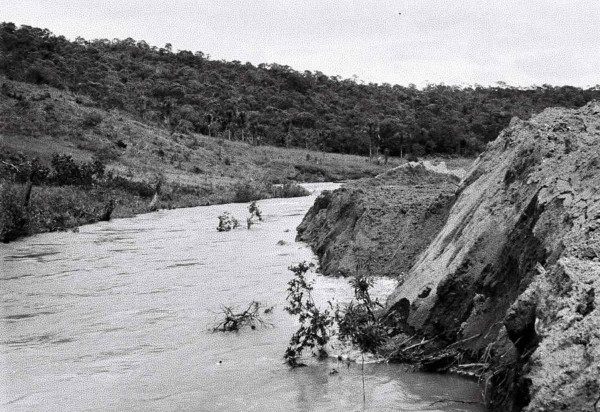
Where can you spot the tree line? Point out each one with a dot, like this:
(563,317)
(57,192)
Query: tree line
(188,92)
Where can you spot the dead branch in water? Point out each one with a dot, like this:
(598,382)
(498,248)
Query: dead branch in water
(463,340)
(455,401)
(416,345)
(235,321)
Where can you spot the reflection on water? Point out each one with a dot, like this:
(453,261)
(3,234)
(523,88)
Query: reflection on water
(117,317)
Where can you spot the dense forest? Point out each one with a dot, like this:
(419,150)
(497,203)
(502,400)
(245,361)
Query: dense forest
(272,104)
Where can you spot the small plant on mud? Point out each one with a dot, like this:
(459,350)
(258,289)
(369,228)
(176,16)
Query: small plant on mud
(314,330)
(227,222)
(234,321)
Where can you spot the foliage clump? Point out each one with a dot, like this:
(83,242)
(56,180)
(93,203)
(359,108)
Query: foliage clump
(314,331)
(13,216)
(255,215)
(248,191)
(227,222)
(255,211)
(68,172)
(289,189)
(357,321)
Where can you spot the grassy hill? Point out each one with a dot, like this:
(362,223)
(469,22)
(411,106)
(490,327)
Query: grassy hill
(39,122)
(187,92)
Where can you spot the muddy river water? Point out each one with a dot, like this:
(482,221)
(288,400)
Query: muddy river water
(118,317)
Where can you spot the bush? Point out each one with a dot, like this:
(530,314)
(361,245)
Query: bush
(137,188)
(68,172)
(227,222)
(314,331)
(255,211)
(20,169)
(247,192)
(357,321)
(314,172)
(14,218)
(255,215)
(289,189)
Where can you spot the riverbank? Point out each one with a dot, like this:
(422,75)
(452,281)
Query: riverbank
(506,289)
(378,226)
(39,122)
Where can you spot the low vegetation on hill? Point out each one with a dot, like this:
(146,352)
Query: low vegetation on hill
(187,92)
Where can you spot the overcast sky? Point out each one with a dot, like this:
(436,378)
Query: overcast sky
(417,41)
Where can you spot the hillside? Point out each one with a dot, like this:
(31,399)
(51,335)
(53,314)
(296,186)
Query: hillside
(187,92)
(86,158)
(509,285)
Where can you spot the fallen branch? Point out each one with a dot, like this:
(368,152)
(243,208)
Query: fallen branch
(472,365)
(416,345)
(407,340)
(456,401)
(463,340)
(10,165)
(236,321)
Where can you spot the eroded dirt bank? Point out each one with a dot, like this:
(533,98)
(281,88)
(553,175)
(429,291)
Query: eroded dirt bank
(509,288)
(378,225)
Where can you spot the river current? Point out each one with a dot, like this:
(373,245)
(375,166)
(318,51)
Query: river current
(118,316)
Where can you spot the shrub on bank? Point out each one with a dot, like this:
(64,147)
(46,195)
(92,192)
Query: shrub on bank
(289,189)
(68,172)
(14,221)
(248,191)
(138,188)
(58,208)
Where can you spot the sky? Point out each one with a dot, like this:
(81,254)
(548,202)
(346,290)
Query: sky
(521,43)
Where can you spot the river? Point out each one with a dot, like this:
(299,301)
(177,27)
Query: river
(118,316)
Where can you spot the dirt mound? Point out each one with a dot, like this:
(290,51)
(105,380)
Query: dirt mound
(511,282)
(437,167)
(378,225)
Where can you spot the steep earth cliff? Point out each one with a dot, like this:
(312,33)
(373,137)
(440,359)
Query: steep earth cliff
(379,225)
(510,286)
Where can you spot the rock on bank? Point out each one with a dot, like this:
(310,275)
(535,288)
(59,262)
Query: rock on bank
(512,281)
(378,225)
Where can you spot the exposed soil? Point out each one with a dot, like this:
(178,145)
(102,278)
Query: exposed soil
(379,225)
(500,277)
(508,289)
